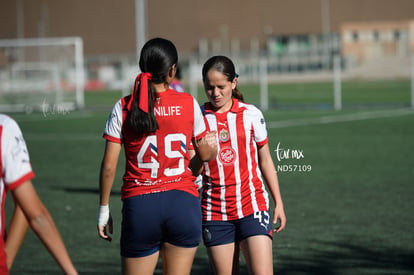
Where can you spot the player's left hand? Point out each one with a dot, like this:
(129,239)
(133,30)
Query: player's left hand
(104,221)
(279,214)
(211,138)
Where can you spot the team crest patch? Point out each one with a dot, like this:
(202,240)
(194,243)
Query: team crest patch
(227,155)
(224,135)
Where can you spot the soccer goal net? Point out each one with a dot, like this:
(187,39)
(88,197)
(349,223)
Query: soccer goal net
(41,74)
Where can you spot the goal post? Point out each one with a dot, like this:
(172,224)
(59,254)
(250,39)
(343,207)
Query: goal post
(412,80)
(39,73)
(337,79)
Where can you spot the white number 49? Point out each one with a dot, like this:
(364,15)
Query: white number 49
(150,144)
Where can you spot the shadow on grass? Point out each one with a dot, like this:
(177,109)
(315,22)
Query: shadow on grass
(85,190)
(200,267)
(347,258)
(340,256)
(90,267)
(331,259)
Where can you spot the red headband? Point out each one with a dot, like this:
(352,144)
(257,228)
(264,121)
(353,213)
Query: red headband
(143,92)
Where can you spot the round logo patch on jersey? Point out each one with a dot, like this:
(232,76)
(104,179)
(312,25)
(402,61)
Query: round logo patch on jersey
(227,155)
(224,135)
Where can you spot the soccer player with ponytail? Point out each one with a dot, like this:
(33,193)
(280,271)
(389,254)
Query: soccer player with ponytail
(156,126)
(235,202)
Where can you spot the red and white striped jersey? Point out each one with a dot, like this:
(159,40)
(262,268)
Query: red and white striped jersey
(158,161)
(15,167)
(233,187)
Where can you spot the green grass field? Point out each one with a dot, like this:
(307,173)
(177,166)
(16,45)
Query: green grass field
(351,214)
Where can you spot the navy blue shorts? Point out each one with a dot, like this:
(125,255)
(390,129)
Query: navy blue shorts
(224,232)
(149,220)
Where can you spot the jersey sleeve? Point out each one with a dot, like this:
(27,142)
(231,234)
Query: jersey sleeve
(259,126)
(200,129)
(113,127)
(15,156)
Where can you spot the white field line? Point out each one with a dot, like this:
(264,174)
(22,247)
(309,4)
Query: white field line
(50,136)
(339,118)
(64,136)
(40,117)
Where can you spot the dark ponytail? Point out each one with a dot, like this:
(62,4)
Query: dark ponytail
(157,58)
(225,66)
(237,94)
(139,120)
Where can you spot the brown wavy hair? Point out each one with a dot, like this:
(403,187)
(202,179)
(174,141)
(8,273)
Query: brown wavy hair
(224,65)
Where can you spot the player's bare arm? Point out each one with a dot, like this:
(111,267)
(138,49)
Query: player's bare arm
(16,232)
(42,224)
(269,173)
(106,180)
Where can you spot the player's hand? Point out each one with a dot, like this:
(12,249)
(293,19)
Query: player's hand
(104,222)
(211,138)
(279,214)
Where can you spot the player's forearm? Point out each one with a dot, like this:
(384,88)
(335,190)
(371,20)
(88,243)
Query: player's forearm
(16,232)
(269,173)
(107,176)
(270,177)
(46,230)
(276,195)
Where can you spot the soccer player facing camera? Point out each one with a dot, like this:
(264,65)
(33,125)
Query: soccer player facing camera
(235,202)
